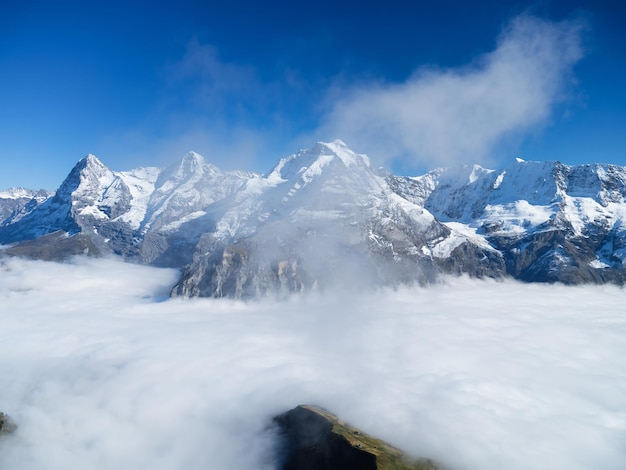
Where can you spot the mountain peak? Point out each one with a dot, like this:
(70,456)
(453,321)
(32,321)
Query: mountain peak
(338,148)
(87,173)
(334,146)
(88,165)
(193,158)
(190,163)
(192,166)
(308,163)
(90,160)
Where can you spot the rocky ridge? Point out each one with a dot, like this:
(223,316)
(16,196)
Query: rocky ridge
(326,217)
(314,439)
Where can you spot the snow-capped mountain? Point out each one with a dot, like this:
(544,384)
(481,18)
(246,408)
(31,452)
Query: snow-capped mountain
(324,216)
(321,217)
(551,222)
(134,213)
(13,202)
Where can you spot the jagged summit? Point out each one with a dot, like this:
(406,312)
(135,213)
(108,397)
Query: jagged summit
(88,171)
(191,155)
(309,163)
(89,168)
(89,163)
(192,166)
(339,149)
(90,158)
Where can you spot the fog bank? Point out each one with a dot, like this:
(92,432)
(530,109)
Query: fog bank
(100,372)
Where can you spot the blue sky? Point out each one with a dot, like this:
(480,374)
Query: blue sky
(413,84)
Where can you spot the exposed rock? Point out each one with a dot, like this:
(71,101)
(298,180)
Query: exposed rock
(56,246)
(316,440)
(7,426)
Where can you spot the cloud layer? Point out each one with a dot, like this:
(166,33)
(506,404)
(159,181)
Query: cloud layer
(99,372)
(439,117)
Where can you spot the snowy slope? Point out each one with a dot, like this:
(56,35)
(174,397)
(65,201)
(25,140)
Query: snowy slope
(140,183)
(185,189)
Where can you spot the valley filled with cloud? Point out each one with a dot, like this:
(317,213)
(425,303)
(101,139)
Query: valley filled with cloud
(100,370)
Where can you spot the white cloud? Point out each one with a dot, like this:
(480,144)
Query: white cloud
(478,374)
(446,116)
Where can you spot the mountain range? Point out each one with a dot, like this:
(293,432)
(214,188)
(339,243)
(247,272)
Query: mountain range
(326,217)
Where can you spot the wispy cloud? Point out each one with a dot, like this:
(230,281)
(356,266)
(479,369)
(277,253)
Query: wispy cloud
(227,111)
(213,84)
(219,108)
(443,116)
(481,375)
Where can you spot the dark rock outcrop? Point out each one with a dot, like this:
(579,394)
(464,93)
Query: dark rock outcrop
(7,426)
(56,246)
(314,439)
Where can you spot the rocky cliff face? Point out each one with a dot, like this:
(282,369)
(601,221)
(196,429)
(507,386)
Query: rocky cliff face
(325,217)
(314,439)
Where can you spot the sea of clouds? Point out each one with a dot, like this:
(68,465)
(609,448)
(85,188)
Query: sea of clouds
(100,370)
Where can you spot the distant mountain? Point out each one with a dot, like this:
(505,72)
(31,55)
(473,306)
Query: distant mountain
(325,217)
(13,202)
(550,222)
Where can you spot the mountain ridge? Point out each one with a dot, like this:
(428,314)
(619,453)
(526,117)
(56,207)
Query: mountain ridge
(325,217)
